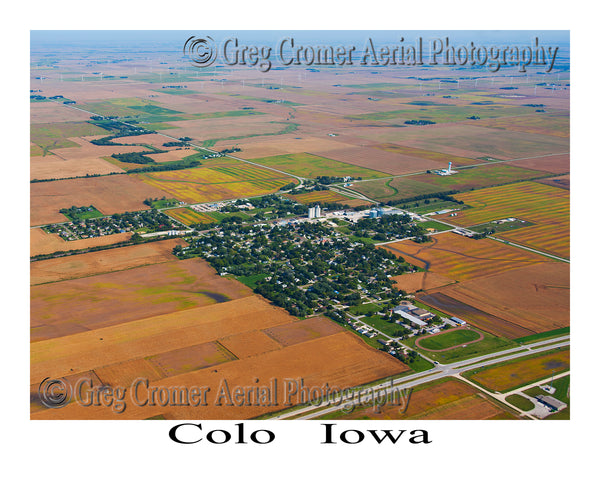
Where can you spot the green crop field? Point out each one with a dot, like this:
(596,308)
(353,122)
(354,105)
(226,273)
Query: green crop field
(489,344)
(444,113)
(54,135)
(520,402)
(450,339)
(311,166)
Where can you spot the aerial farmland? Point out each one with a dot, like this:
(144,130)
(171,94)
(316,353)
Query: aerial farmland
(227,229)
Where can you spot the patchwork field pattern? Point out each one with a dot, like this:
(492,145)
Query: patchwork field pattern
(545,206)
(501,289)
(206,346)
(111,194)
(206,184)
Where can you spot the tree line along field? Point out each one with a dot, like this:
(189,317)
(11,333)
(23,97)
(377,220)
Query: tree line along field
(545,206)
(96,263)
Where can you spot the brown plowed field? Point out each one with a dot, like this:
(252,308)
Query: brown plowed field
(96,263)
(118,297)
(380,159)
(475,316)
(535,297)
(111,194)
(564,181)
(42,243)
(551,163)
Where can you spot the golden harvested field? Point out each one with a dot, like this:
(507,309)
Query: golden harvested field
(202,347)
(81,352)
(53,166)
(303,330)
(189,216)
(206,184)
(188,359)
(461,258)
(250,344)
(111,194)
(341,360)
(43,243)
(449,399)
(545,206)
(118,297)
(535,297)
(411,282)
(514,374)
(97,263)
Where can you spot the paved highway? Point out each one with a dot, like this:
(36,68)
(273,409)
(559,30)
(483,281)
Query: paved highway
(439,371)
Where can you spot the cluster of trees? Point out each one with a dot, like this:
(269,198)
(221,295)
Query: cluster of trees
(445,196)
(419,122)
(387,228)
(119,129)
(328,180)
(176,144)
(230,150)
(133,157)
(163,167)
